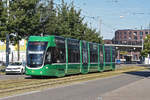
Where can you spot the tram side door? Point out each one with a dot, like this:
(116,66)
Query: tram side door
(101,58)
(85,58)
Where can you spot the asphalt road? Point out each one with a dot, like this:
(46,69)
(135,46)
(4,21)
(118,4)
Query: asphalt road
(91,90)
(15,76)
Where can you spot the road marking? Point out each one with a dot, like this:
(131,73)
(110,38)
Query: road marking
(99,98)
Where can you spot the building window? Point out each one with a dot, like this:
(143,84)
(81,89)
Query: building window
(120,36)
(135,33)
(130,33)
(135,37)
(146,33)
(125,37)
(141,37)
(130,38)
(141,33)
(117,33)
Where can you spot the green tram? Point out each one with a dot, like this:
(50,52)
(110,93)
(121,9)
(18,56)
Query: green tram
(58,56)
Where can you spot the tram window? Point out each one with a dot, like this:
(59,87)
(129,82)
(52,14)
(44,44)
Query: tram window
(84,53)
(107,54)
(73,51)
(93,57)
(55,55)
(58,55)
(48,56)
(113,54)
(73,55)
(93,53)
(101,54)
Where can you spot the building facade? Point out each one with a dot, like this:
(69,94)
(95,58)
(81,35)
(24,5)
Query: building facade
(107,41)
(133,39)
(130,36)
(13,54)
(128,43)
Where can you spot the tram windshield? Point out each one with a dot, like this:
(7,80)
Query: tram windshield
(35,54)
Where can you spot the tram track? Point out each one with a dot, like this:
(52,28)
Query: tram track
(34,84)
(26,82)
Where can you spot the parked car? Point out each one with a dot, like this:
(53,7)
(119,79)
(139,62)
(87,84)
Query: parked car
(15,67)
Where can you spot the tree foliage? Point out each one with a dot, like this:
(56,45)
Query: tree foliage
(32,17)
(69,23)
(3,20)
(146,48)
(24,19)
(48,18)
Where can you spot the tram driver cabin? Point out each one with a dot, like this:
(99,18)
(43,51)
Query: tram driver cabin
(59,56)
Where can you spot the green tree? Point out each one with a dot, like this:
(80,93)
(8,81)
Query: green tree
(70,24)
(62,20)
(91,35)
(23,20)
(3,19)
(48,18)
(146,48)
(76,24)
(29,17)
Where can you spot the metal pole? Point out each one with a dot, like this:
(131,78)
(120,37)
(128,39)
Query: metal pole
(7,50)
(149,28)
(142,43)
(7,39)
(100,24)
(8,7)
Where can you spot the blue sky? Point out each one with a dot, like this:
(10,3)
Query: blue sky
(114,14)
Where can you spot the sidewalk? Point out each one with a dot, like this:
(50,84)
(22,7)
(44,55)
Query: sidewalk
(139,90)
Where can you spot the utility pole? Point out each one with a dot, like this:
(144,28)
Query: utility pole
(141,27)
(8,7)
(100,25)
(149,28)
(7,39)
(7,50)
(142,43)
(142,38)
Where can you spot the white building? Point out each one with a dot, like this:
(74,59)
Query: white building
(13,56)
(147,60)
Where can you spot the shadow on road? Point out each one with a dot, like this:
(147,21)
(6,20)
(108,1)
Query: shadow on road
(143,65)
(140,73)
(40,77)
